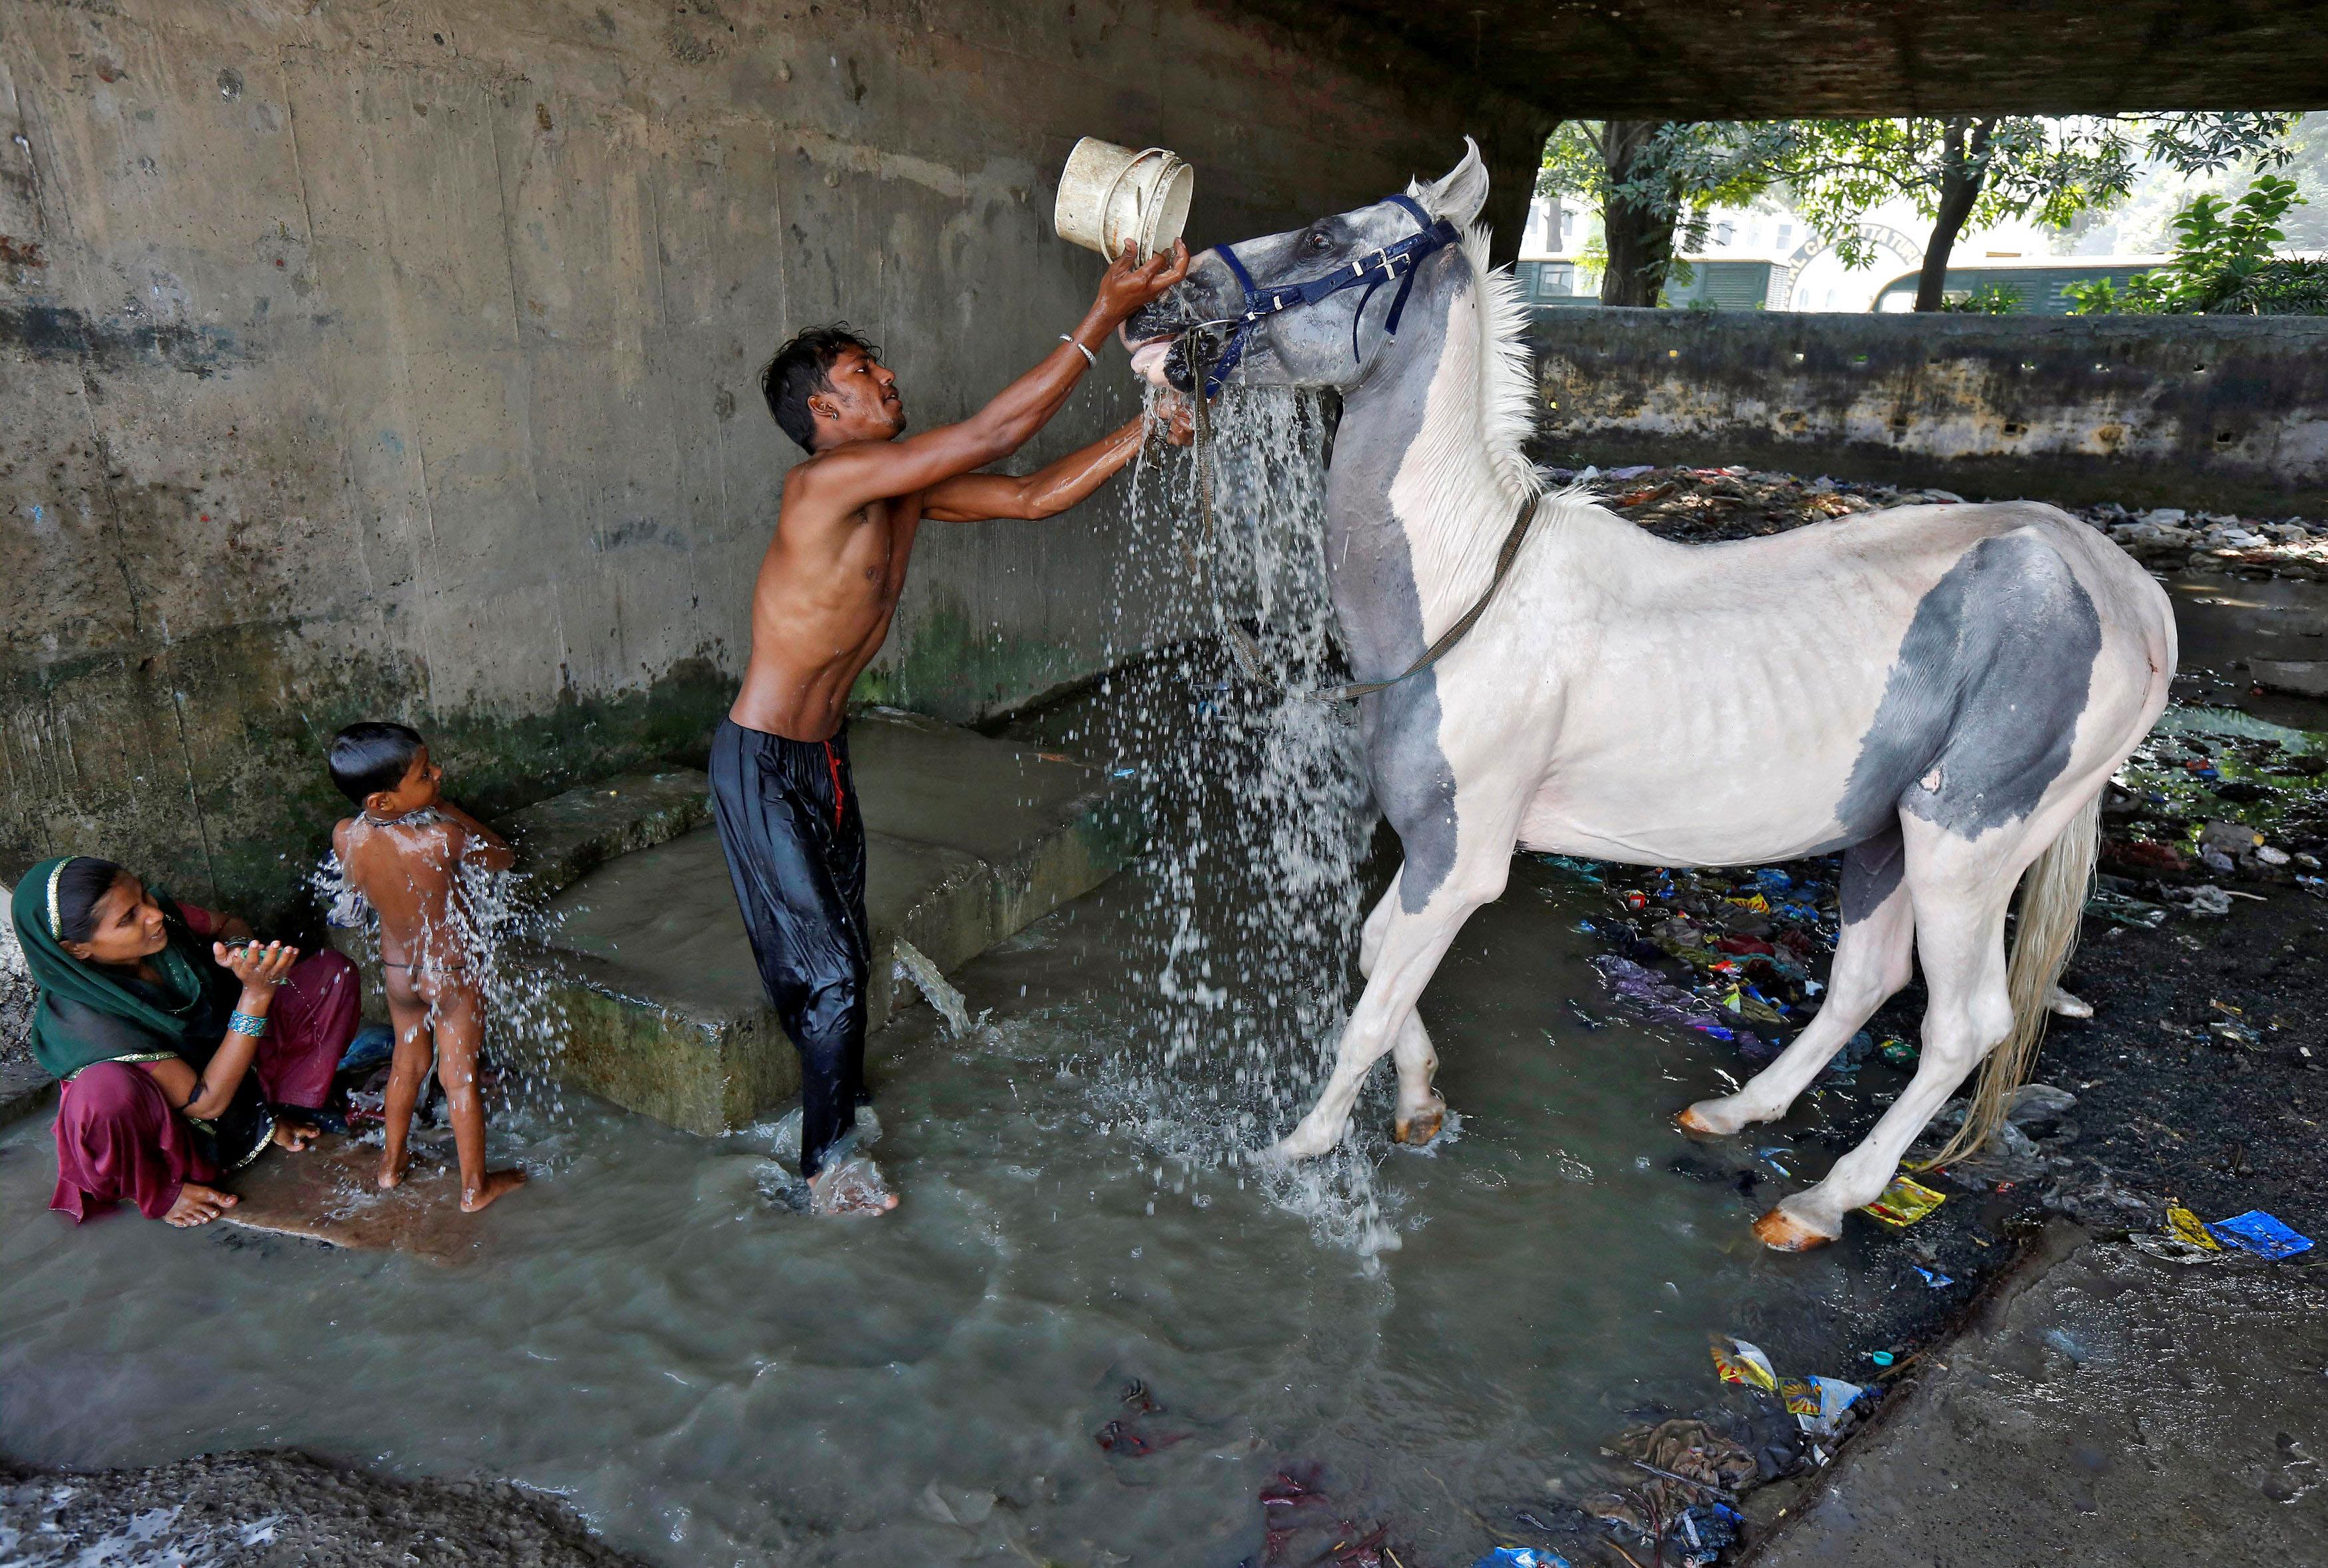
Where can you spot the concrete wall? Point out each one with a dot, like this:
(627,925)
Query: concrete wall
(399,359)
(2222,412)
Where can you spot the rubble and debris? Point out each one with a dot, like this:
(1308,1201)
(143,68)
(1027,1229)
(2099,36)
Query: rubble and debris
(1700,506)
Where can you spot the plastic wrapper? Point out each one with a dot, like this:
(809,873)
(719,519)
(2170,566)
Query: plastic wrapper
(1905,1202)
(2259,1233)
(1740,1362)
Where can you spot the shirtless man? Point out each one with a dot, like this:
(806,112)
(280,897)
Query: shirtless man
(780,781)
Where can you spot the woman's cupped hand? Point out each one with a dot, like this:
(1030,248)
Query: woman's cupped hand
(260,966)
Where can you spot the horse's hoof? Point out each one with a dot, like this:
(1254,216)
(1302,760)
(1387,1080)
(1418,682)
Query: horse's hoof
(1696,1126)
(1420,1128)
(1782,1231)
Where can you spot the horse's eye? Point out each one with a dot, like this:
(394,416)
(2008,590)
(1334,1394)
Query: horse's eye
(1318,243)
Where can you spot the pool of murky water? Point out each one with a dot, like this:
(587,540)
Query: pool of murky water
(711,1378)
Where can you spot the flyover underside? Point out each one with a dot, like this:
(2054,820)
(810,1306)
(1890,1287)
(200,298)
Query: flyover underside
(1780,59)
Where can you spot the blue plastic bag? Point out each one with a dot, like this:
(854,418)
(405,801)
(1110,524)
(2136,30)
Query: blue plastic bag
(2256,1231)
(1522,1558)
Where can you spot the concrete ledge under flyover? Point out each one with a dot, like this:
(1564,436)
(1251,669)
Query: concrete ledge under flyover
(969,840)
(2227,412)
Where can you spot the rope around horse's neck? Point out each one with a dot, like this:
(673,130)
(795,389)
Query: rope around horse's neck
(1247,652)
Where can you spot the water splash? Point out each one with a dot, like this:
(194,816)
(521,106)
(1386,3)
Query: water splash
(1258,820)
(912,963)
(499,924)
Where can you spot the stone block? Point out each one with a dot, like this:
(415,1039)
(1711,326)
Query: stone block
(969,840)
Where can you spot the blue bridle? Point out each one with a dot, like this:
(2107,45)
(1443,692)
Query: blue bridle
(1393,261)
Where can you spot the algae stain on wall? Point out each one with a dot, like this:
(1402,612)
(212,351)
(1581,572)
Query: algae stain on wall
(954,669)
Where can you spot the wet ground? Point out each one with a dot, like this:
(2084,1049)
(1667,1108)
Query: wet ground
(2113,1408)
(708,1379)
(1089,1337)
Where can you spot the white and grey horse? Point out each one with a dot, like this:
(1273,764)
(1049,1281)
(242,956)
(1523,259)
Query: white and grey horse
(1940,692)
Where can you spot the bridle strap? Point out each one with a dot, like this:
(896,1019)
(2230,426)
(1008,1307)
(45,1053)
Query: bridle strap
(1397,261)
(1454,633)
(1242,645)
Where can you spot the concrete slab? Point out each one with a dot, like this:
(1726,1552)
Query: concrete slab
(969,840)
(2104,1407)
(327,1194)
(26,1090)
(568,836)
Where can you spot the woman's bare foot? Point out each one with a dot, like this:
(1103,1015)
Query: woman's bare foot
(292,1134)
(198,1204)
(391,1169)
(852,1185)
(495,1184)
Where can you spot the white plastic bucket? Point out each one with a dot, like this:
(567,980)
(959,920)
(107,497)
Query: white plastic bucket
(1111,196)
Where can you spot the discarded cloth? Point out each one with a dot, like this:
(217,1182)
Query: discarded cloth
(1683,1463)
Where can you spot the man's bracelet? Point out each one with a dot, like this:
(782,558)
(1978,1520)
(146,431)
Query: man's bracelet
(253,1025)
(1090,358)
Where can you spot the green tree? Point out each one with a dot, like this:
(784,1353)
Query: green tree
(1955,170)
(1972,169)
(1654,183)
(2223,264)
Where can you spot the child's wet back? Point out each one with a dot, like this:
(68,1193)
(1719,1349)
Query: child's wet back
(405,853)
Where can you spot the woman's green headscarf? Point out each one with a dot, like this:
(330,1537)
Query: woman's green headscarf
(86,1012)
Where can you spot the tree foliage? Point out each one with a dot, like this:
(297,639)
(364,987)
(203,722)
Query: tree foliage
(2000,166)
(1958,170)
(2222,264)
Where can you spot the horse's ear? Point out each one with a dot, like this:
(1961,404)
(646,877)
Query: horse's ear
(1462,192)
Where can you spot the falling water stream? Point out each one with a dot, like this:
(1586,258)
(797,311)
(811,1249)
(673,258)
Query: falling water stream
(1441,1336)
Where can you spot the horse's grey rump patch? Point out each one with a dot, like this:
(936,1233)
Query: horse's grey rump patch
(1984,695)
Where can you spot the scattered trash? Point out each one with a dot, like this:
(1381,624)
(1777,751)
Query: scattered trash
(2259,1233)
(1740,1362)
(2185,1226)
(2034,1104)
(1818,1404)
(2185,1239)
(1685,1467)
(1904,1202)
(1705,1531)
(1301,1525)
(1882,1357)
(1522,1558)
(2086,1191)
(2063,1004)
(2210,901)
(1932,1277)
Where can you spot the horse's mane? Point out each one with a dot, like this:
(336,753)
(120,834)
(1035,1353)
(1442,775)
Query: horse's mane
(1466,508)
(1507,388)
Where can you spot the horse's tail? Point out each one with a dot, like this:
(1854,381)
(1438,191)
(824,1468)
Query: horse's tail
(2054,893)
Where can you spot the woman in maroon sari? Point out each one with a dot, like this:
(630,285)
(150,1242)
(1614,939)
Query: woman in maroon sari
(184,1046)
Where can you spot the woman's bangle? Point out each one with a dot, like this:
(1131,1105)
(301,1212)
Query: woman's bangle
(1090,358)
(253,1025)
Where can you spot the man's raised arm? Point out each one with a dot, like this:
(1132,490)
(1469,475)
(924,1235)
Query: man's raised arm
(1056,486)
(848,477)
